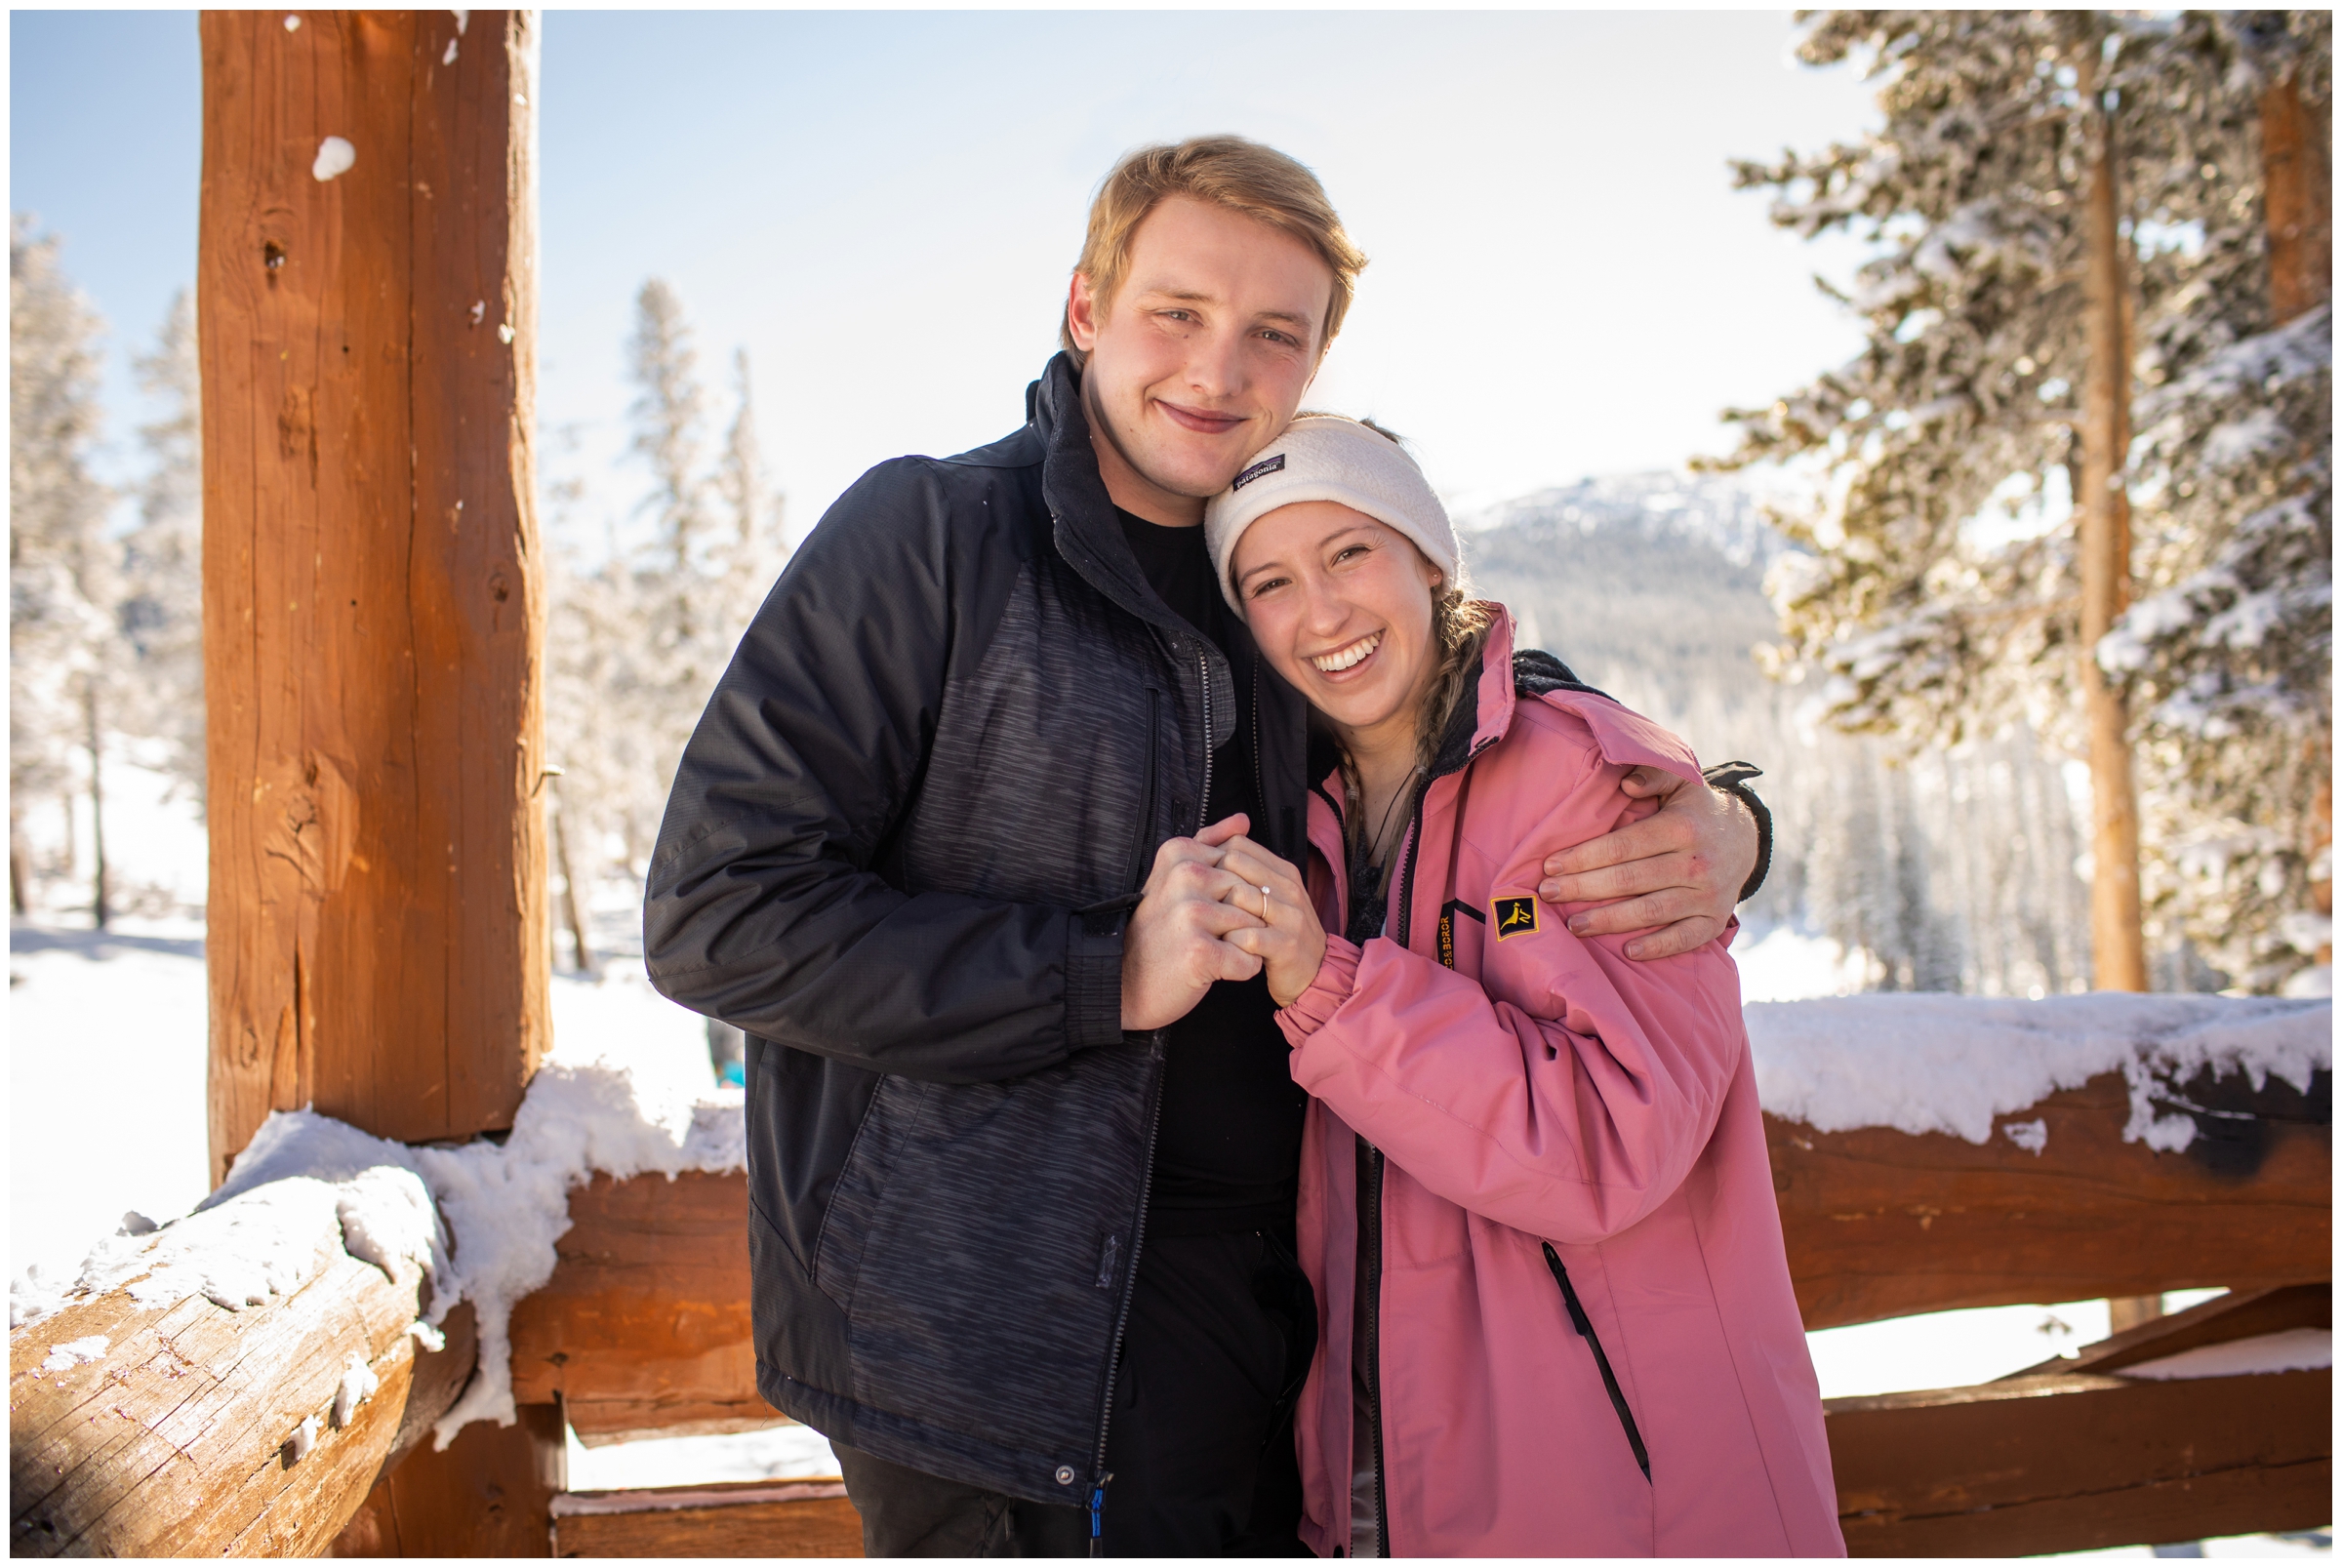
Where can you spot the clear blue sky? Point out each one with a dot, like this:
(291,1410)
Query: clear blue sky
(882,208)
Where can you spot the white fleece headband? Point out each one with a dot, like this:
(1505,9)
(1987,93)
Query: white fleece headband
(1326,458)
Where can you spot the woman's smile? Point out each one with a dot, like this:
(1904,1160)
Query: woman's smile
(1347,658)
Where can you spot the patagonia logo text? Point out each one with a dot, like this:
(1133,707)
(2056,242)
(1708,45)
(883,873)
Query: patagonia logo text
(1515,917)
(1267,465)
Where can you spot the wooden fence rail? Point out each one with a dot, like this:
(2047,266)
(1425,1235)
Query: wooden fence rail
(174,1438)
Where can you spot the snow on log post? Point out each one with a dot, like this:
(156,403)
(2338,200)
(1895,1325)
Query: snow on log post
(2117,949)
(373,610)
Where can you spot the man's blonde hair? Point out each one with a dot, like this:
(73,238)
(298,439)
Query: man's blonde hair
(1244,176)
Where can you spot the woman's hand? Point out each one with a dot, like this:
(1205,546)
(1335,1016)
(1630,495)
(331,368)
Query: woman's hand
(1289,942)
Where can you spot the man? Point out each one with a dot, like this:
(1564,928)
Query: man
(1022,1144)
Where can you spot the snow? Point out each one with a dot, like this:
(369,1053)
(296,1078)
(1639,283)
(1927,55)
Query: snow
(126,1014)
(1788,965)
(74,1353)
(358,1384)
(303,1438)
(335,156)
(772,1453)
(2293,1349)
(1950,1350)
(1939,1063)
(449,57)
(2031,1136)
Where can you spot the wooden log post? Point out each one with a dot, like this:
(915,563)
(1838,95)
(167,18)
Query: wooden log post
(373,610)
(182,1428)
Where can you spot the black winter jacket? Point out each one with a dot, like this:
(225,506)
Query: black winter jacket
(898,854)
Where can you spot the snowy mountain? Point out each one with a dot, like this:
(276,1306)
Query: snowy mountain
(1935,871)
(1654,579)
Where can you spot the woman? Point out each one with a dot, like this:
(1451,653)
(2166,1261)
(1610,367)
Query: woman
(1556,1316)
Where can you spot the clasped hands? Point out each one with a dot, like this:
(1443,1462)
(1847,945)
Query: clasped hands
(1216,906)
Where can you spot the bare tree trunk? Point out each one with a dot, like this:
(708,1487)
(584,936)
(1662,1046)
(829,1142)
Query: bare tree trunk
(19,872)
(2118,947)
(99,913)
(570,909)
(2297,204)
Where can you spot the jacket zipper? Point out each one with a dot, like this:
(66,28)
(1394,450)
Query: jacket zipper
(1371,1231)
(1585,1327)
(1370,1212)
(1100,1477)
(1370,1240)
(1203,805)
(1260,790)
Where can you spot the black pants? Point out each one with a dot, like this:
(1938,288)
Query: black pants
(1200,1447)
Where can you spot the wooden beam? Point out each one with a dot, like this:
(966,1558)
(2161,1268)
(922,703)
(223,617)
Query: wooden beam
(489,1494)
(644,1326)
(2076,1462)
(179,1438)
(730,1519)
(2238,1315)
(1880,1224)
(373,609)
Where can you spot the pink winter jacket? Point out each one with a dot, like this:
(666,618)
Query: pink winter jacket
(1547,1089)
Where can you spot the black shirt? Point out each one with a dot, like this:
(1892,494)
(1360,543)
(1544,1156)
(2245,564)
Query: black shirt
(1228,1148)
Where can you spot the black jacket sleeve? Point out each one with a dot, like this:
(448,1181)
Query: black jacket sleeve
(1732,778)
(762,909)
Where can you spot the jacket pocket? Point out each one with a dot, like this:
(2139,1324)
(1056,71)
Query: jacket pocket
(859,1196)
(1585,1327)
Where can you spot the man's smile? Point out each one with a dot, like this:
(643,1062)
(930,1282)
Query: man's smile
(1203,422)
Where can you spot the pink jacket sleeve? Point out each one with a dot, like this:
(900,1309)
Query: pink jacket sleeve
(1567,1092)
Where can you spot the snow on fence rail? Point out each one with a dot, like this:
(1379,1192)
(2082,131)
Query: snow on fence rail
(1932,1064)
(1858,1090)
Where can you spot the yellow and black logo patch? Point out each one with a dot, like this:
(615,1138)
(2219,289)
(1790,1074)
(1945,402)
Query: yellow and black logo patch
(1515,917)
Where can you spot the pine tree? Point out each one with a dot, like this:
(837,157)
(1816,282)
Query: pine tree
(162,607)
(61,573)
(2230,647)
(753,553)
(2049,189)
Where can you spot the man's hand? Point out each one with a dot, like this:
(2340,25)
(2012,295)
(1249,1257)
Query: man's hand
(1674,876)
(1172,950)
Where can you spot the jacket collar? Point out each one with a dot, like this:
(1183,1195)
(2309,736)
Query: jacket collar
(1089,536)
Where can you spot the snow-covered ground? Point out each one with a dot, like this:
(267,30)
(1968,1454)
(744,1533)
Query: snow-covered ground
(106,1115)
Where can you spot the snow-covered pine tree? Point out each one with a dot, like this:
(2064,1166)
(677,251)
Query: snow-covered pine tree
(1938,592)
(637,640)
(2230,647)
(162,605)
(62,587)
(758,545)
